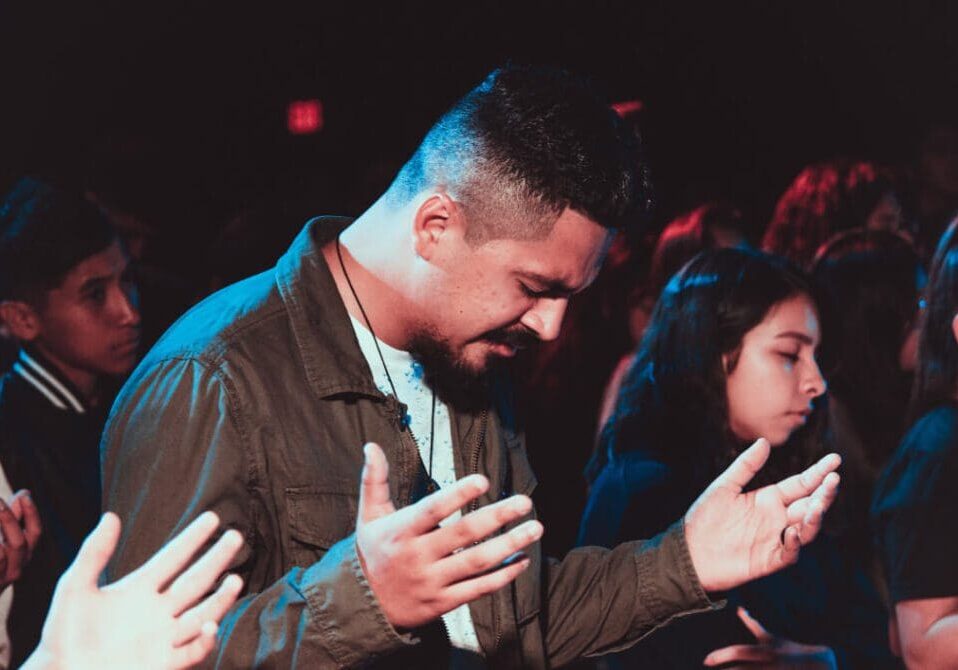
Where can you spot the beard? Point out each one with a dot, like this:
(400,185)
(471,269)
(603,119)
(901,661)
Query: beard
(460,384)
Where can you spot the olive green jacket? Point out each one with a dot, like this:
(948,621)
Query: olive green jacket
(255,404)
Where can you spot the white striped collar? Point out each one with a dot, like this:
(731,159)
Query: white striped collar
(46,382)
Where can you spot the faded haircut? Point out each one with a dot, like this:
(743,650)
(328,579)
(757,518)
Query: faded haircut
(523,146)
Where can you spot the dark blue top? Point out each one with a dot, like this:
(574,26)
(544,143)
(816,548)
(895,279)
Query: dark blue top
(825,598)
(916,501)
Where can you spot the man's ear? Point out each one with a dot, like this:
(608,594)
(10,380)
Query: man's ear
(954,327)
(438,218)
(20,319)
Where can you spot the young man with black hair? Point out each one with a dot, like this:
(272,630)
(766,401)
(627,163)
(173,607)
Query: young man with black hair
(67,298)
(390,330)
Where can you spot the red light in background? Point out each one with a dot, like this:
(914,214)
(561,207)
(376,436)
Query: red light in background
(627,107)
(304,117)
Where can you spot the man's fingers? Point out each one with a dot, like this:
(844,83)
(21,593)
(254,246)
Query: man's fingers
(823,498)
(819,502)
(197,580)
(29,518)
(812,523)
(196,650)
(740,653)
(754,627)
(212,609)
(491,553)
(803,484)
(791,545)
(95,553)
(426,514)
(173,557)
(745,467)
(469,590)
(478,525)
(374,499)
(828,490)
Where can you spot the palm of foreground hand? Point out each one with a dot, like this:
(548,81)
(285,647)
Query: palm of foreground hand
(132,623)
(735,537)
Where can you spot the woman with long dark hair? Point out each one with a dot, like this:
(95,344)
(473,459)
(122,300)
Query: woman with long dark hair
(730,356)
(916,498)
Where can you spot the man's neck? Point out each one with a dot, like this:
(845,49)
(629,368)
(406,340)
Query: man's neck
(369,283)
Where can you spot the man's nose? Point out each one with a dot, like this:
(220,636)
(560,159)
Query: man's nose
(545,317)
(125,309)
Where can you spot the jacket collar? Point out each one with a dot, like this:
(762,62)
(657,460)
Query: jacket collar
(333,362)
(44,378)
(332,359)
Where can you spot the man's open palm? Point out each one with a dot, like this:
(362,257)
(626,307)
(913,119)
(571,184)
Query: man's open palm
(735,537)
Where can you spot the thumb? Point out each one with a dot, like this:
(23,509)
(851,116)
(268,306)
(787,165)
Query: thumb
(374,499)
(745,467)
(95,552)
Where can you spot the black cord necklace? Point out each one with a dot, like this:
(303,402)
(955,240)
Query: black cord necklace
(404,420)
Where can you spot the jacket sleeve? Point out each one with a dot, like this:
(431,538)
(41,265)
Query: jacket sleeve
(598,601)
(176,445)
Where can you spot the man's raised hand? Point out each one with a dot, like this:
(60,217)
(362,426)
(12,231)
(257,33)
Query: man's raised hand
(418,570)
(735,537)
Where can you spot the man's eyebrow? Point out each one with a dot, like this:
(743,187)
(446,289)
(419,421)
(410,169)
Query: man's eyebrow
(804,338)
(548,284)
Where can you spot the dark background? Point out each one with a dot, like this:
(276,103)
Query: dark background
(174,113)
(177,110)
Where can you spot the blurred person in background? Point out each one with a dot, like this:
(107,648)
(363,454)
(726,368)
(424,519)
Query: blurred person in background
(871,284)
(68,299)
(827,198)
(916,497)
(932,183)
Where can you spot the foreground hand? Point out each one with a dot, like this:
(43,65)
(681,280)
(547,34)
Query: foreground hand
(735,537)
(132,623)
(20,530)
(419,571)
(772,652)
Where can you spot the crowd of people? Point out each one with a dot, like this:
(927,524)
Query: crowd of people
(700,389)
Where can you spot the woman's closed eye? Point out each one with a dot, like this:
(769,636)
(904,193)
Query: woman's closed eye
(791,357)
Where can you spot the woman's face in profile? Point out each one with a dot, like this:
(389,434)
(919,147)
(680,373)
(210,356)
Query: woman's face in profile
(773,381)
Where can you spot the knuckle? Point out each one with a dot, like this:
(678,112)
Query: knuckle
(468,528)
(505,513)
(478,561)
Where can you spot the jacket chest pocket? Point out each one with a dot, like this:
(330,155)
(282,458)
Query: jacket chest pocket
(317,518)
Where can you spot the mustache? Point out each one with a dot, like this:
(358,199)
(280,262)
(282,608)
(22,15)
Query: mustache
(519,337)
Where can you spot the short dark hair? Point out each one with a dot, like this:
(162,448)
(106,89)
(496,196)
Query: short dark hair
(673,401)
(524,145)
(936,378)
(45,232)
